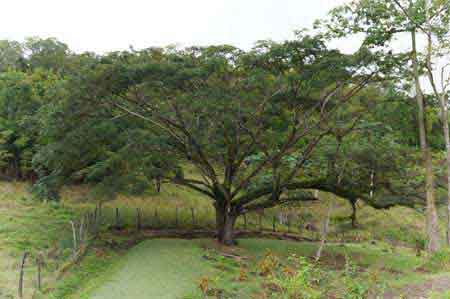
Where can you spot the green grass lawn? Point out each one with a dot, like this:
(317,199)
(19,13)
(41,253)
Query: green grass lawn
(162,269)
(173,269)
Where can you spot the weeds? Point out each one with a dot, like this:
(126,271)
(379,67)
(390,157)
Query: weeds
(298,282)
(438,261)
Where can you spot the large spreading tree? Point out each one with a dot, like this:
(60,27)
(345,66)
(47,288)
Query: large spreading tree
(262,128)
(250,122)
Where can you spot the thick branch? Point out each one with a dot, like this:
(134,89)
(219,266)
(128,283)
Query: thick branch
(192,184)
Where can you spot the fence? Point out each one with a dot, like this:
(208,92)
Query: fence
(84,230)
(190,218)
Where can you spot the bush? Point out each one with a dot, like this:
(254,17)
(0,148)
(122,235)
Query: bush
(438,261)
(354,289)
(298,283)
(46,188)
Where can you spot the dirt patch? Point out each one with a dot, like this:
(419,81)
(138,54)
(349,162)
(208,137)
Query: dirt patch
(334,261)
(421,290)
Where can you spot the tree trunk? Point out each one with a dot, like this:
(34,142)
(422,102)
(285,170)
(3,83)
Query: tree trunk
(158,185)
(441,95)
(445,128)
(228,231)
(431,213)
(353,216)
(325,227)
(225,224)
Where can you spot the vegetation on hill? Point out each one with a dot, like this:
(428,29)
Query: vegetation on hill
(267,126)
(292,137)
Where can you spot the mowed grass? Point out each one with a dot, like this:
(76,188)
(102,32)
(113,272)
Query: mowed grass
(163,269)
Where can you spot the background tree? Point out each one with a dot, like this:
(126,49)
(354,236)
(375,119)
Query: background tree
(11,55)
(437,32)
(380,22)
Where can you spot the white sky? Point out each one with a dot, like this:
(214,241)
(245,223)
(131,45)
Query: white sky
(109,25)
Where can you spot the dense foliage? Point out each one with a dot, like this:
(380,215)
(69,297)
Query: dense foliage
(261,127)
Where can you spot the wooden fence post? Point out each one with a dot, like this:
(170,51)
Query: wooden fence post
(193,216)
(95,212)
(299,225)
(81,232)
(39,263)
(88,223)
(20,290)
(156,216)
(245,221)
(100,212)
(94,223)
(138,219)
(97,221)
(86,227)
(117,219)
(74,235)
(288,223)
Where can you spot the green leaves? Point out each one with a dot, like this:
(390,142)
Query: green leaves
(11,55)
(126,121)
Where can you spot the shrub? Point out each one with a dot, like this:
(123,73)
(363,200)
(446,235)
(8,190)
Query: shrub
(438,261)
(298,283)
(354,289)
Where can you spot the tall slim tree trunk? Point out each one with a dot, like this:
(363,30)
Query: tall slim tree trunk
(326,225)
(431,213)
(353,216)
(443,101)
(444,110)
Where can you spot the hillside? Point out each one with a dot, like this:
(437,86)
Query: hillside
(385,244)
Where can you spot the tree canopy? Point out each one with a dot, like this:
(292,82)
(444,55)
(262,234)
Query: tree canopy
(262,127)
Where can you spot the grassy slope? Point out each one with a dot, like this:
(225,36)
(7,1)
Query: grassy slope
(162,269)
(173,268)
(28,225)
(392,269)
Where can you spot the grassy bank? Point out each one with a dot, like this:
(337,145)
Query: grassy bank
(44,228)
(183,268)
(30,226)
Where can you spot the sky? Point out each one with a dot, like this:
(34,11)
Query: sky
(109,25)
(103,26)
